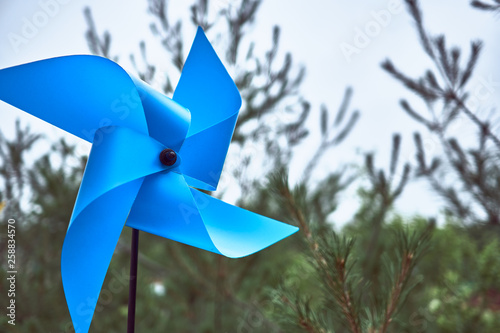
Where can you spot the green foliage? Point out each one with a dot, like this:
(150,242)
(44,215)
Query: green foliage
(361,291)
(461,293)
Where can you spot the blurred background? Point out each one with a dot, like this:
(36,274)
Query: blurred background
(370,125)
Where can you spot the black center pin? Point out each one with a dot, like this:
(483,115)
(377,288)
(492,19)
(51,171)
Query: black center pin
(168,157)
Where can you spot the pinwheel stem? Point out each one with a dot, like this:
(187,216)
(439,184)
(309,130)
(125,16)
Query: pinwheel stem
(133,281)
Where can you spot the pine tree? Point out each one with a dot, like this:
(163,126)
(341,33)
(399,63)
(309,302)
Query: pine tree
(445,93)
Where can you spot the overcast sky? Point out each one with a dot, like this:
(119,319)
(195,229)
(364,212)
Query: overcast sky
(322,35)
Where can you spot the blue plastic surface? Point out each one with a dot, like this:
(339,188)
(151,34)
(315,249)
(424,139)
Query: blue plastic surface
(129,125)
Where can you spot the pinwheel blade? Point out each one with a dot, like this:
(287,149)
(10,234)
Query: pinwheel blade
(88,247)
(78,94)
(167,207)
(168,122)
(207,90)
(113,176)
(237,232)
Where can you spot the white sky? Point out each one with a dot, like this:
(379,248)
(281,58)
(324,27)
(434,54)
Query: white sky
(312,31)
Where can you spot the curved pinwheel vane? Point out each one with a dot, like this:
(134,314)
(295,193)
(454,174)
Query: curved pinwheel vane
(149,153)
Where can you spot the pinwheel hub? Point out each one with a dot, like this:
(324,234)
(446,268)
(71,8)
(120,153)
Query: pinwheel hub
(168,157)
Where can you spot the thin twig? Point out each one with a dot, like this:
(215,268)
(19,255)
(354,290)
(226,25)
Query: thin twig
(396,291)
(476,120)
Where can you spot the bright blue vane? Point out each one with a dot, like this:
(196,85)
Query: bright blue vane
(148,153)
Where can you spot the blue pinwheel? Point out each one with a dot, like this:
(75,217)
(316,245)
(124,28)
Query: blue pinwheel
(149,153)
